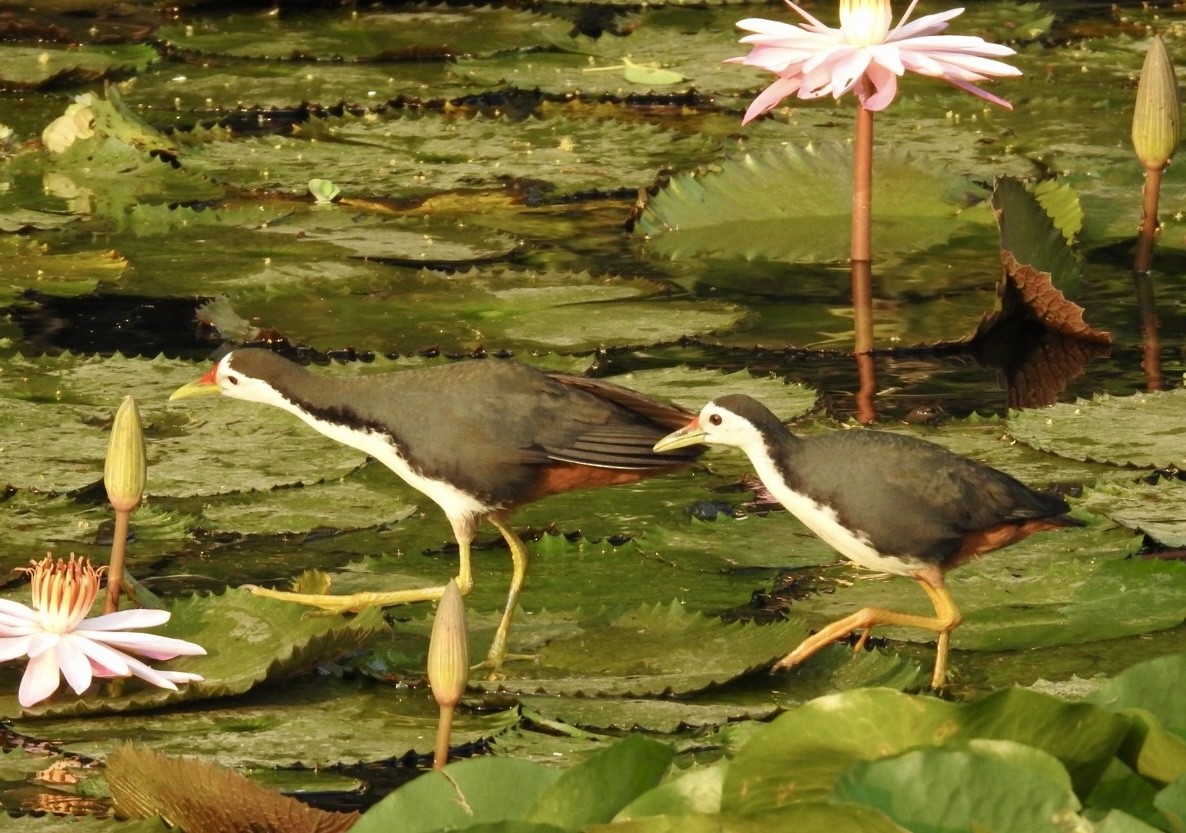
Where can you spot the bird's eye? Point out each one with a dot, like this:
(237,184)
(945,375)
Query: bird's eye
(234,380)
(715,419)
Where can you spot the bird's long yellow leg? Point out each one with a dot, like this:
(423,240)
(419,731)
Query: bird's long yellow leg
(498,648)
(360,601)
(947,618)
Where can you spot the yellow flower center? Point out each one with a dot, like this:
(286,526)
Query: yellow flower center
(63,591)
(865,22)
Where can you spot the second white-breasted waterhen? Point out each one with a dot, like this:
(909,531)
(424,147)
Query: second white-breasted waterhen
(477,437)
(886,501)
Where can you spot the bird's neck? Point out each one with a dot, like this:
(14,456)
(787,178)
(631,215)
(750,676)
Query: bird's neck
(773,458)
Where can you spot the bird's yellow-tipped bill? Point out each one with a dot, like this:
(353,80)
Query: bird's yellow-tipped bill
(206,386)
(690,434)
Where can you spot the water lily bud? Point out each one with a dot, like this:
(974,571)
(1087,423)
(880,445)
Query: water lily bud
(126,469)
(448,649)
(1156,121)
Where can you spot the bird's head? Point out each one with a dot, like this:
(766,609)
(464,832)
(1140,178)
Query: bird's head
(238,375)
(735,420)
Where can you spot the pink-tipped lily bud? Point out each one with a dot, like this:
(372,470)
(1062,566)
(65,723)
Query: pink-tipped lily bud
(1157,118)
(126,469)
(448,649)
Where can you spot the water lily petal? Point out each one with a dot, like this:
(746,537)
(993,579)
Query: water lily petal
(40,642)
(150,645)
(12,647)
(41,679)
(926,25)
(884,84)
(865,55)
(126,620)
(770,97)
(109,661)
(74,663)
(149,674)
(16,611)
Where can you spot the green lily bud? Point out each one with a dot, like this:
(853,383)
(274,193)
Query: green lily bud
(448,649)
(126,469)
(1156,121)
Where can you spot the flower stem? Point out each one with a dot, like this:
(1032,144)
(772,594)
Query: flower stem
(1151,193)
(862,187)
(440,755)
(862,245)
(115,567)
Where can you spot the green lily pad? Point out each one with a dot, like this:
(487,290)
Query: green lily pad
(408,31)
(313,722)
(208,448)
(411,311)
(389,156)
(33,267)
(741,209)
(1154,509)
(24,67)
(655,650)
(1143,430)
(248,640)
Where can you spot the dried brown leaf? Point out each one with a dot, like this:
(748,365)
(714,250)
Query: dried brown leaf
(202,798)
(1041,297)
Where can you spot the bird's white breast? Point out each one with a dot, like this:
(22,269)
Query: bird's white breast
(456,504)
(825,523)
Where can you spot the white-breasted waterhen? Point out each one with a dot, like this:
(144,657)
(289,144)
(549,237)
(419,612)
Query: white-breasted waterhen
(477,437)
(888,502)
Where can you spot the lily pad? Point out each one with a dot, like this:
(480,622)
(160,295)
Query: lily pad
(390,156)
(1102,429)
(248,640)
(232,446)
(313,722)
(653,651)
(486,307)
(747,207)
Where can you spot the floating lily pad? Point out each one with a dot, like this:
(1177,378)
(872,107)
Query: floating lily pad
(653,651)
(694,388)
(1155,509)
(413,31)
(314,722)
(23,67)
(34,267)
(248,641)
(407,156)
(747,207)
(491,306)
(203,448)
(1143,430)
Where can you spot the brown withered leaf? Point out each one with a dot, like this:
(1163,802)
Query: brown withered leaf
(202,798)
(1036,290)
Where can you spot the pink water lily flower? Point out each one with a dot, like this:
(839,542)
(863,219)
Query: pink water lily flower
(865,55)
(60,641)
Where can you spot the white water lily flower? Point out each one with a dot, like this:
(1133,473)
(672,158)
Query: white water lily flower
(60,641)
(865,55)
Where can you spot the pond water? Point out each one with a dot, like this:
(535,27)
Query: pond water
(507,187)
